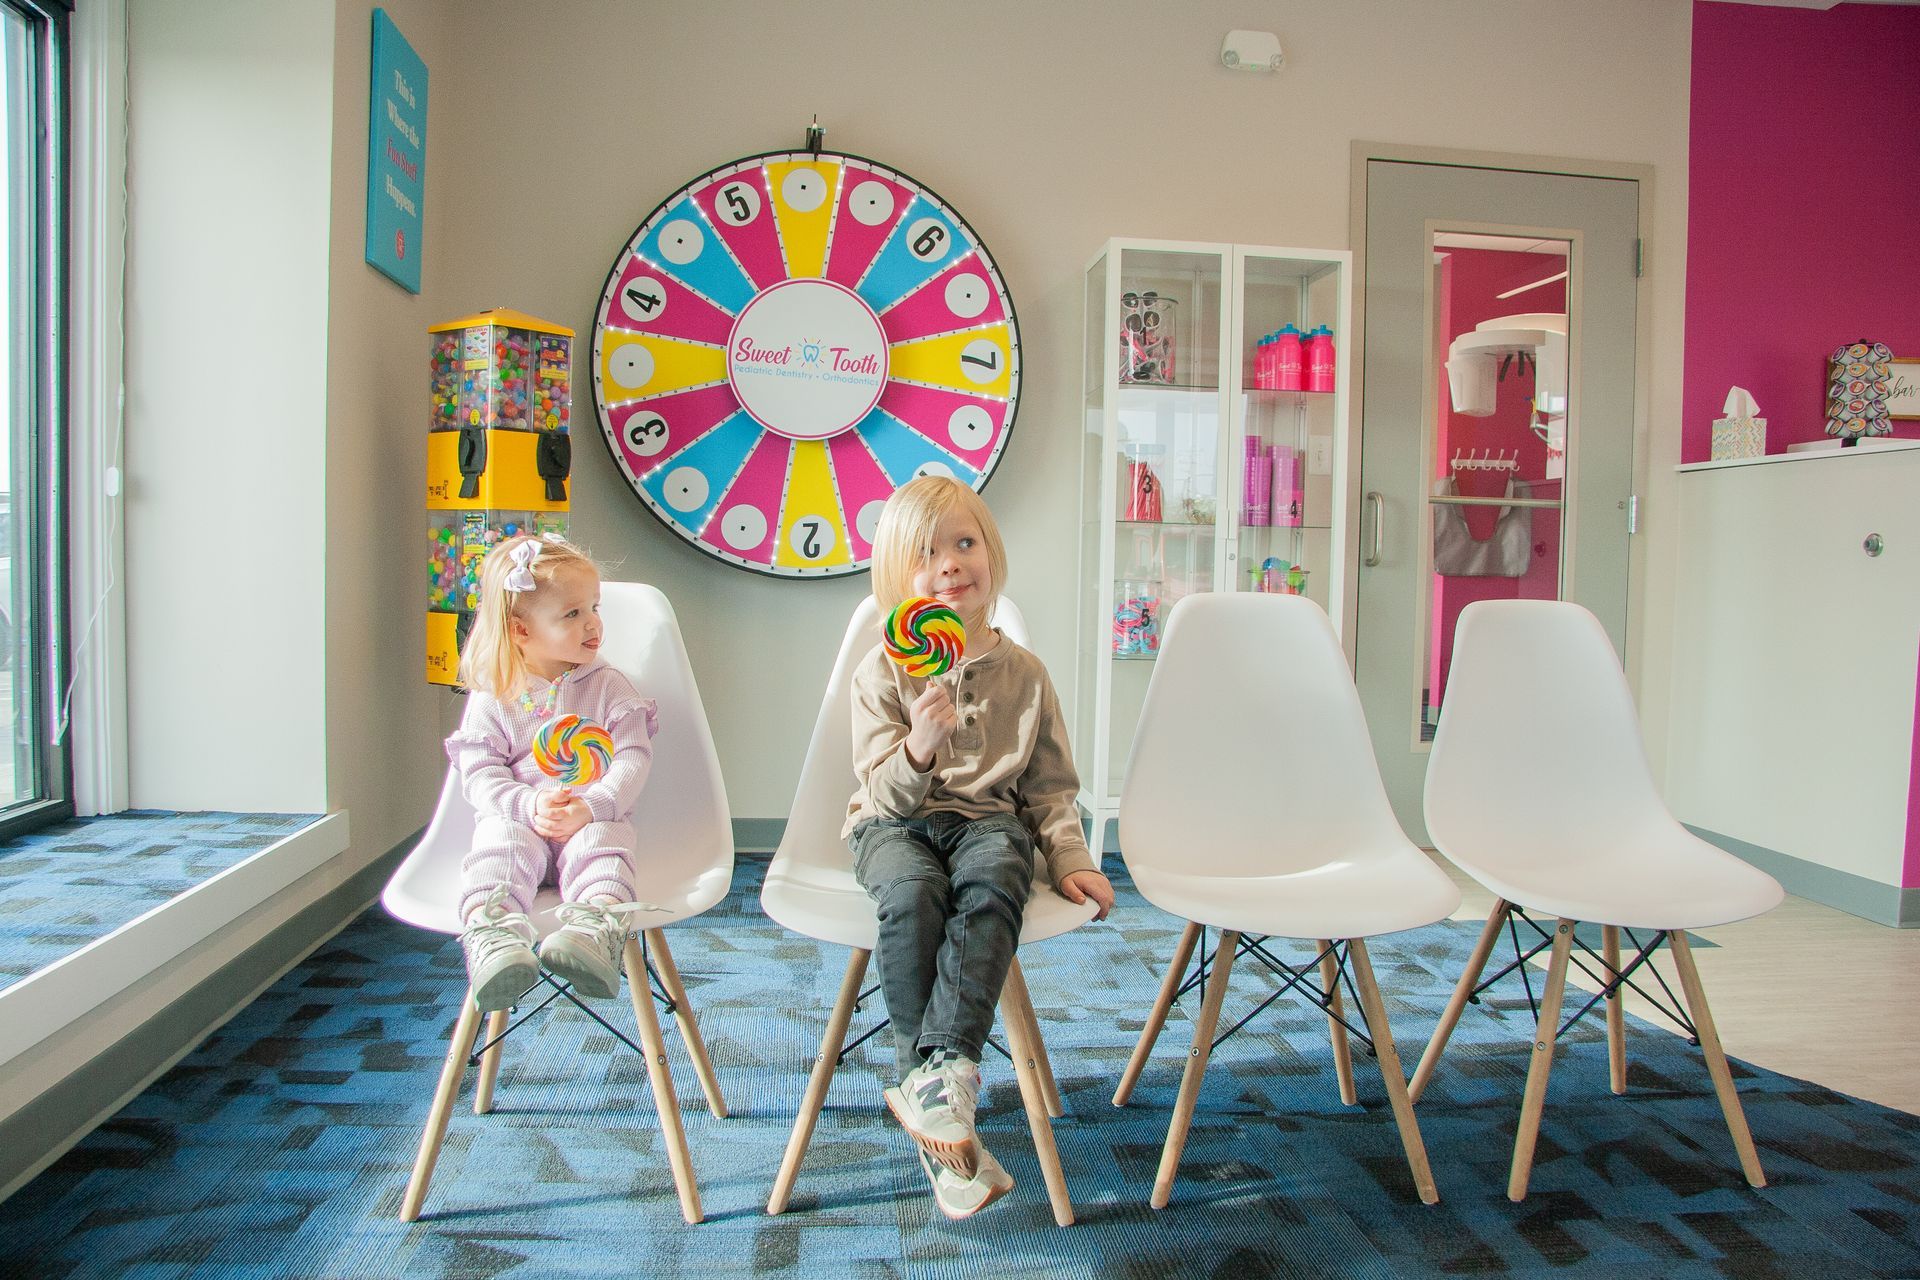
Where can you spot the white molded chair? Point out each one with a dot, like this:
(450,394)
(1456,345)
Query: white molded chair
(685,866)
(1252,805)
(810,888)
(1538,788)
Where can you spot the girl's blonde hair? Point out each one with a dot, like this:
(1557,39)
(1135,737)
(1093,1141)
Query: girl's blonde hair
(490,661)
(904,540)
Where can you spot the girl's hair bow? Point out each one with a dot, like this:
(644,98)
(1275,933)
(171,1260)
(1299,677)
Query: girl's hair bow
(520,577)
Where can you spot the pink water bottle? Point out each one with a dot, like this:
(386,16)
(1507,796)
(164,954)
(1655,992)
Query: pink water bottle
(1288,360)
(1320,360)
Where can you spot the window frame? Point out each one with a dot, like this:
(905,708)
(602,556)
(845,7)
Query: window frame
(46,449)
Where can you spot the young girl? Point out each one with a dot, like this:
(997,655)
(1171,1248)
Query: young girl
(533,655)
(957,790)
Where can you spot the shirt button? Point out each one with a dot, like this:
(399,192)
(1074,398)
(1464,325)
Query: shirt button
(966,697)
(969,722)
(966,675)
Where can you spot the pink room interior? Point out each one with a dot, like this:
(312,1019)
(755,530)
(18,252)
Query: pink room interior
(1469,284)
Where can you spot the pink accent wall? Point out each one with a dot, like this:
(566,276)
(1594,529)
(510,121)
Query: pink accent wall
(1804,202)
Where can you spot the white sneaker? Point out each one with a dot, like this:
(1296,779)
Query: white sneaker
(499,947)
(585,950)
(960,1197)
(935,1103)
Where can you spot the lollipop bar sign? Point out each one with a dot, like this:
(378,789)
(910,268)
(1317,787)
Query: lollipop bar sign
(807,358)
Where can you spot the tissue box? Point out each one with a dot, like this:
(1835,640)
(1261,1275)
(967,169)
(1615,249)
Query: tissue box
(1739,438)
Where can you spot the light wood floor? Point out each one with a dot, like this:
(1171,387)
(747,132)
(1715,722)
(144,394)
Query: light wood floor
(1803,990)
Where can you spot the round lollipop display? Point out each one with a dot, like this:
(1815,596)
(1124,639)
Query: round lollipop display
(924,636)
(572,751)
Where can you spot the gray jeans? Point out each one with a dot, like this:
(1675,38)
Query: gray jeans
(950,893)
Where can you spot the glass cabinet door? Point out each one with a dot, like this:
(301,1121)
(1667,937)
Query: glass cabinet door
(1208,458)
(1151,499)
(1290,398)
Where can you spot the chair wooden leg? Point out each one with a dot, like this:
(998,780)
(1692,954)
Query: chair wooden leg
(1616,1011)
(1020,1033)
(490,1063)
(672,1134)
(1469,979)
(1541,1065)
(1017,987)
(1716,1059)
(1196,1068)
(1162,1004)
(1391,1072)
(817,1083)
(442,1109)
(689,1026)
(1342,1051)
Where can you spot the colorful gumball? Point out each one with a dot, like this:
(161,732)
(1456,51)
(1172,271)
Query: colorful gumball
(572,751)
(924,636)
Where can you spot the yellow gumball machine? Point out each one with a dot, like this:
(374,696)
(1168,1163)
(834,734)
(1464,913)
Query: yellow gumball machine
(499,454)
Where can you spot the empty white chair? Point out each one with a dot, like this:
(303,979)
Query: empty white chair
(1538,788)
(810,888)
(685,866)
(1252,805)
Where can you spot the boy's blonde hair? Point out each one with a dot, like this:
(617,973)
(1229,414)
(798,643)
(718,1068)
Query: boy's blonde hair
(490,661)
(904,539)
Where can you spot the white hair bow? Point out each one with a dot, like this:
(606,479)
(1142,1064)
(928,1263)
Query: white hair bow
(520,577)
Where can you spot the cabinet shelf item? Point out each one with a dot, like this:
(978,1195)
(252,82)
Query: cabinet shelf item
(1210,441)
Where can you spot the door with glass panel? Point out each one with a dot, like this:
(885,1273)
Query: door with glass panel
(1498,423)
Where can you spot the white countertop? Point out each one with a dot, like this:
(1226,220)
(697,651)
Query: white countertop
(1867,448)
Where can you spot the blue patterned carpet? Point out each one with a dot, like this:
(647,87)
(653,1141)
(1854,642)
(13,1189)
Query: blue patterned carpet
(281,1147)
(77,881)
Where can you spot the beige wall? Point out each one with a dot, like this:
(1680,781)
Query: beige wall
(275,415)
(1050,127)
(230,131)
(384,722)
(554,129)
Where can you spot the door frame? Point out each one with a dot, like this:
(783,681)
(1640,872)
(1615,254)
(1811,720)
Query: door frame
(1362,152)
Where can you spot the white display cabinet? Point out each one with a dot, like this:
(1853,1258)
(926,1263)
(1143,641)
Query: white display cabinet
(1200,470)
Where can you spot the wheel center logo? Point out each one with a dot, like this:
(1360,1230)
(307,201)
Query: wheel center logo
(807,358)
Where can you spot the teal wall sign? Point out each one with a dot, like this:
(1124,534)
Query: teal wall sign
(396,155)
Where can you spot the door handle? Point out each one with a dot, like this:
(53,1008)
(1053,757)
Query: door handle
(1379,505)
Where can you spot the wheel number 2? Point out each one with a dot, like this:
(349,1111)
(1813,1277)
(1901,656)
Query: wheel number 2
(812,538)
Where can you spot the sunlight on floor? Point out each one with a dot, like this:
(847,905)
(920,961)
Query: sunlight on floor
(1804,990)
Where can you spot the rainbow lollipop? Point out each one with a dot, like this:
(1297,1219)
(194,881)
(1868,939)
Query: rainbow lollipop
(924,636)
(573,751)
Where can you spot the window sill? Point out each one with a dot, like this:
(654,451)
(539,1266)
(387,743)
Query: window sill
(48,999)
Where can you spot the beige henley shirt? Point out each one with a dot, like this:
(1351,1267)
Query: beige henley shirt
(1008,752)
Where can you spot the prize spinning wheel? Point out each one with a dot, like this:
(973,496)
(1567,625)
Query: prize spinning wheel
(789,338)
